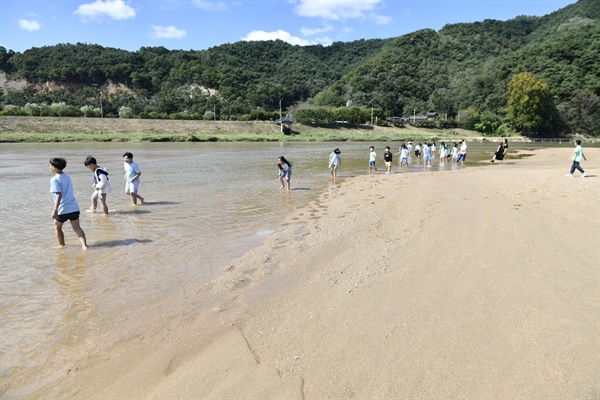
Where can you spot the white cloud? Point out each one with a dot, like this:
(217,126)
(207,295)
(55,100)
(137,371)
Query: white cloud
(29,25)
(380,19)
(210,5)
(336,9)
(255,36)
(316,31)
(115,9)
(166,32)
(325,40)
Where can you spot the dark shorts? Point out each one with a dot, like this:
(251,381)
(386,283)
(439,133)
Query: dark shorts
(74,216)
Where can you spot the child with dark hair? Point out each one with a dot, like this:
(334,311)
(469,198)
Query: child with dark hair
(66,207)
(285,172)
(132,178)
(101,184)
(334,162)
(372,159)
(576,157)
(388,157)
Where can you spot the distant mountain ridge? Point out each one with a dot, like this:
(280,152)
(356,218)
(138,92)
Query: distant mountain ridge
(461,70)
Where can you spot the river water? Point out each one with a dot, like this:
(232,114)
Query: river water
(206,204)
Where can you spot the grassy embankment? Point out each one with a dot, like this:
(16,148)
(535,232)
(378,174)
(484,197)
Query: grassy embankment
(47,129)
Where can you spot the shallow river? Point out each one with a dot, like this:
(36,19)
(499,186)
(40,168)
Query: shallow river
(206,203)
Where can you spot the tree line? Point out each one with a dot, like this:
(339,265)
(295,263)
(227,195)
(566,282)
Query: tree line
(475,74)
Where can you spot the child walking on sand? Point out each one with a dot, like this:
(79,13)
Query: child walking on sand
(66,207)
(576,157)
(372,159)
(132,178)
(334,162)
(101,184)
(285,172)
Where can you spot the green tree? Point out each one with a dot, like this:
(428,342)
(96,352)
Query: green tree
(530,105)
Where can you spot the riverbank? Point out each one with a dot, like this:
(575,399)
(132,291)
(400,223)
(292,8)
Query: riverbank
(48,129)
(479,283)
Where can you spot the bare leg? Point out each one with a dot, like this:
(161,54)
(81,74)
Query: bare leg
(103,202)
(135,197)
(94,205)
(60,236)
(80,234)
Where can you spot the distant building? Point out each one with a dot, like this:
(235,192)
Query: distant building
(286,124)
(405,120)
(427,117)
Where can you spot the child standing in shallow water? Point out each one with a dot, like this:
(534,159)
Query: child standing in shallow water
(285,172)
(334,162)
(372,159)
(66,207)
(388,157)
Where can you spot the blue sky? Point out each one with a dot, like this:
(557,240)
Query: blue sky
(200,24)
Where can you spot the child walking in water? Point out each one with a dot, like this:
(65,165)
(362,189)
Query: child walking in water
(404,152)
(132,178)
(334,162)
(372,159)
(388,157)
(285,172)
(66,207)
(101,184)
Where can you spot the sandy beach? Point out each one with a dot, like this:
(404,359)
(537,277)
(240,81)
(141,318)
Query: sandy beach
(481,283)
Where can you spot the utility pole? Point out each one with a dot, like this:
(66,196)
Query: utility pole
(280,118)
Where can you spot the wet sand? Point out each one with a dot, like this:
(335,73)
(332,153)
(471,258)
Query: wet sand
(479,283)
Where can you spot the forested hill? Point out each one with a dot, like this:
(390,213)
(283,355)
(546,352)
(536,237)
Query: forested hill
(470,74)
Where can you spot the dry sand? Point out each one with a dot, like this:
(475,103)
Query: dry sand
(481,283)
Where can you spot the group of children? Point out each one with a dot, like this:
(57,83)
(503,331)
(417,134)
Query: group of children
(66,207)
(456,154)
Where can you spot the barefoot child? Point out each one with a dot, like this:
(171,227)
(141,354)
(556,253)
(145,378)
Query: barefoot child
(388,157)
(334,162)
(101,184)
(65,204)
(285,172)
(132,178)
(372,159)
